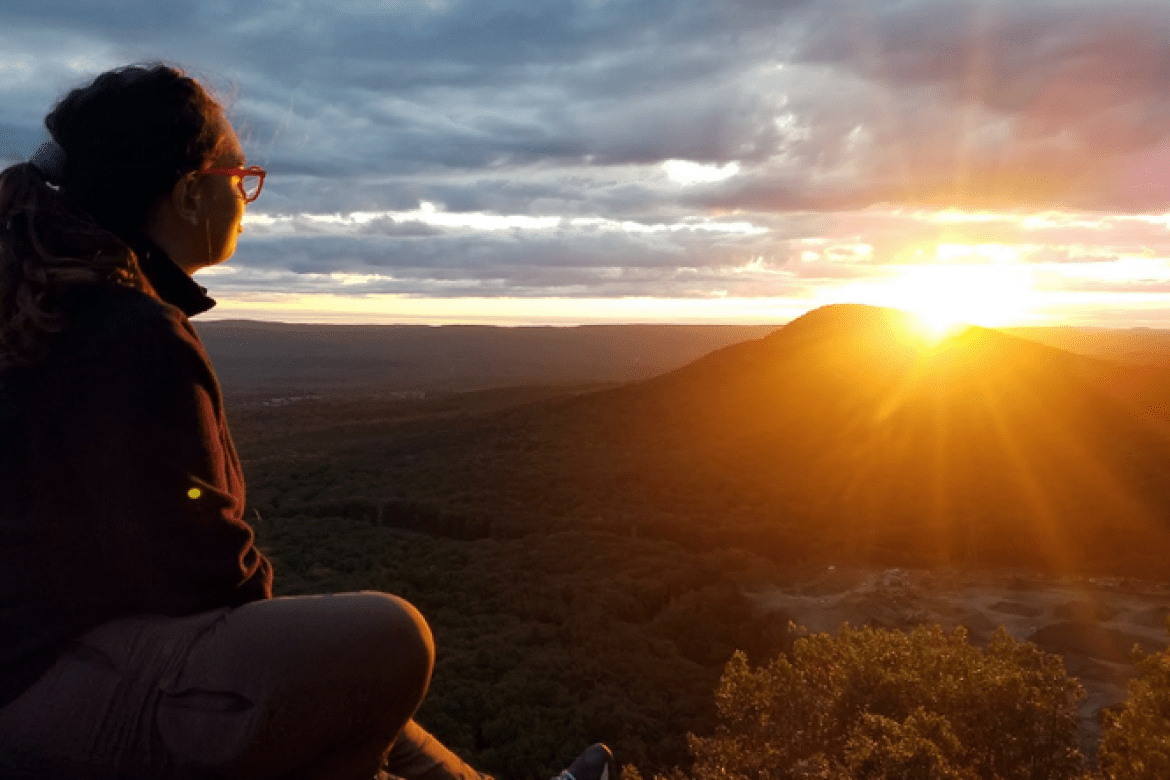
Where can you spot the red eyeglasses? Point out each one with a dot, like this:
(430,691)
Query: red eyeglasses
(251,180)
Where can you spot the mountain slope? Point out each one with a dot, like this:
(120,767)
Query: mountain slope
(861,437)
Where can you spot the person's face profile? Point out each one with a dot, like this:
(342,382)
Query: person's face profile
(220,201)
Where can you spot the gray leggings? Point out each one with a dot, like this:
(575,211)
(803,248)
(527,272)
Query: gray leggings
(297,688)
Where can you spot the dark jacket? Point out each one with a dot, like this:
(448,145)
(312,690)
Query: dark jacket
(120,489)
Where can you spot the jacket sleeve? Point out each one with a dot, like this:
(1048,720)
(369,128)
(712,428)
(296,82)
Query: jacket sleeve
(151,448)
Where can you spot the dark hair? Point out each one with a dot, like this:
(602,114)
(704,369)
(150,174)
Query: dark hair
(128,137)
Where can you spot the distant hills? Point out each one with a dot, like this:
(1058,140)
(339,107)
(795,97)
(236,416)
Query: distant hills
(284,358)
(1139,346)
(259,357)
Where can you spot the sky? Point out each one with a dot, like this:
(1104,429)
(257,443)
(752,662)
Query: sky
(520,162)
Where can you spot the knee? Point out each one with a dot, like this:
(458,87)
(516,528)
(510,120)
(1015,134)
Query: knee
(403,640)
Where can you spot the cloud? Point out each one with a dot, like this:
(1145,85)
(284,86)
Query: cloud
(610,147)
(1038,104)
(686,172)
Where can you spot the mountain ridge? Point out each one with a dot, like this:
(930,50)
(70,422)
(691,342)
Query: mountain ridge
(982,448)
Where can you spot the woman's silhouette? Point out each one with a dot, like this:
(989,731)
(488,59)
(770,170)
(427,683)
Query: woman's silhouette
(138,636)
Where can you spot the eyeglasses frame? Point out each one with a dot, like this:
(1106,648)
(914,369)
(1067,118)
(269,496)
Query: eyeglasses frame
(253,170)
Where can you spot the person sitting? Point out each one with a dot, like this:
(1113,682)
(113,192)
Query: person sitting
(138,633)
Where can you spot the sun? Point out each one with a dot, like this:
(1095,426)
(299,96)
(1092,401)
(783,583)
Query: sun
(963,287)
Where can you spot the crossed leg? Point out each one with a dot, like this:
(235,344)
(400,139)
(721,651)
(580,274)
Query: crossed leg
(300,688)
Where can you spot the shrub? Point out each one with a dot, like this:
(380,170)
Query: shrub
(886,704)
(1135,743)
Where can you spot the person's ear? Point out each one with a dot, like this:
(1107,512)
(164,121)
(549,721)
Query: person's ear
(185,198)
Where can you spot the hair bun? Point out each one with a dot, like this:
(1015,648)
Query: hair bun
(49,159)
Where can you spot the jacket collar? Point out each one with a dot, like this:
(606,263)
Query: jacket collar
(172,283)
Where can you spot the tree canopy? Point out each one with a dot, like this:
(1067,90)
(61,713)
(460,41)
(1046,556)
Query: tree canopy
(876,703)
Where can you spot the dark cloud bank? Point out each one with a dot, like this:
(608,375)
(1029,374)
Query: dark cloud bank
(569,109)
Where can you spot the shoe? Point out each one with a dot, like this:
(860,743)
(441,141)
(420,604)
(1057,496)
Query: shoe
(594,764)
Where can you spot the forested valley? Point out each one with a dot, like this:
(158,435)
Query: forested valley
(591,557)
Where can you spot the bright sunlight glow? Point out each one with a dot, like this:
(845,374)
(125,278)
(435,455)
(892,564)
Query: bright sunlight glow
(945,296)
(967,284)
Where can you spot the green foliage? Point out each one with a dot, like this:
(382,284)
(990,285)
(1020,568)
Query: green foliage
(923,747)
(551,641)
(885,704)
(1135,744)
